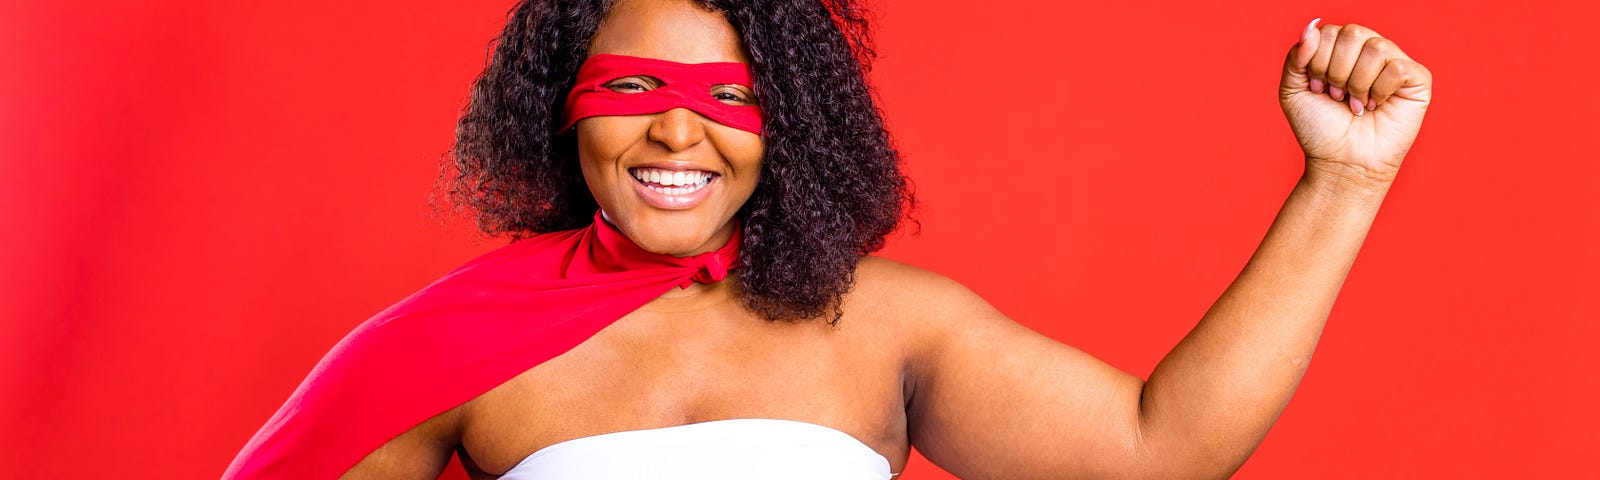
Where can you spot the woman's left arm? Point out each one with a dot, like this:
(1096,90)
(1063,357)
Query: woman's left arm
(1221,388)
(1355,103)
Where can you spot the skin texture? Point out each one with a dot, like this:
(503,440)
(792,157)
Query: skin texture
(919,359)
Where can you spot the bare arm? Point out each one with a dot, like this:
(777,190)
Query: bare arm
(1209,403)
(994,400)
(420,453)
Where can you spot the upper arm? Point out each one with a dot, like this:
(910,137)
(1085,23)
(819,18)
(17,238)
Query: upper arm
(991,398)
(420,453)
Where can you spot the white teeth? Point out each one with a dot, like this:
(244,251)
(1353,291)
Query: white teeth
(672,182)
(675,191)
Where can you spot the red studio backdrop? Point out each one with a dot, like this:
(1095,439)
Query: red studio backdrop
(197,199)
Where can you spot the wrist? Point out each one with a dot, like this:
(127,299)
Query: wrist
(1345,182)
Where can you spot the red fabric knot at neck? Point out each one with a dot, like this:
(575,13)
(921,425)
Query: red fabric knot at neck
(610,250)
(713,267)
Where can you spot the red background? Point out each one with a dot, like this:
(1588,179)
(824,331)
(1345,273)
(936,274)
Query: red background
(199,198)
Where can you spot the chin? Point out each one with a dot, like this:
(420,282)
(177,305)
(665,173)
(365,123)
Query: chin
(679,233)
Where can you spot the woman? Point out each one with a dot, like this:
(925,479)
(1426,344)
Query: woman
(735,146)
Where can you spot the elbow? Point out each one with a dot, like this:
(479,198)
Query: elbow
(1193,459)
(1219,466)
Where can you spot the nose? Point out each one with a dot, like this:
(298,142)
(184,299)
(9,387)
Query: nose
(678,129)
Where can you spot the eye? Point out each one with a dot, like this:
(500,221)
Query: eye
(634,84)
(626,86)
(732,95)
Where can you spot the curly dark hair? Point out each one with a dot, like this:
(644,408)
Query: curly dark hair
(830,188)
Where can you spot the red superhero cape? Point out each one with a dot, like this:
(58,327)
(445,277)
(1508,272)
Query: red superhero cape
(483,323)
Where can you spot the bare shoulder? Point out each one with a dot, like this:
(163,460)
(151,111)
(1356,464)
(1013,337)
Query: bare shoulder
(908,286)
(926,304)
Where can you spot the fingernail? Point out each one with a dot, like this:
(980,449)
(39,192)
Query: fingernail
(1336,92)
(1316,85)
(1311,27)
(1355,106)
(1372,104)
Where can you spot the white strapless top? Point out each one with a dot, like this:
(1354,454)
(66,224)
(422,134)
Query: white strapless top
(741,448)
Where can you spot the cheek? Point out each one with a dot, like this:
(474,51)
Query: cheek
(601,144)
(599,140)
(744,152)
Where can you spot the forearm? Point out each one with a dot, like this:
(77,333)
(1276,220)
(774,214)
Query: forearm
(1210,402)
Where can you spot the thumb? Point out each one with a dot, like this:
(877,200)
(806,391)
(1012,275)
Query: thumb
(1294,68)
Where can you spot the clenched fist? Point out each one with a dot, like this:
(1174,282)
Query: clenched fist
(1354,100)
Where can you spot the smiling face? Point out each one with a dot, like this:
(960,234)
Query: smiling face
(670,181)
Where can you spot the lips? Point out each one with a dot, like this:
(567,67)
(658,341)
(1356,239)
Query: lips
(673,189)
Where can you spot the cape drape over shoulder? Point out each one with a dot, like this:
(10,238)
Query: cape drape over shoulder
(483,323)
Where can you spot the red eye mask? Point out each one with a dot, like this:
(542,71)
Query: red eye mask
(687,85)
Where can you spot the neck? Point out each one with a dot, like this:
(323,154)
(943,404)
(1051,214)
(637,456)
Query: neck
(698,296)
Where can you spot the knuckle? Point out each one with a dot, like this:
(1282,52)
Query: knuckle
(1356,31)
(1402,67)
(1378,45)
(1328,31)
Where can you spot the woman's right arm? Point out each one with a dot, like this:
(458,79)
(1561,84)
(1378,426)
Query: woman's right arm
(420,453)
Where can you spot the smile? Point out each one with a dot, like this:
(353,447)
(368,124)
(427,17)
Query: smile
(672,189)
(672,182)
